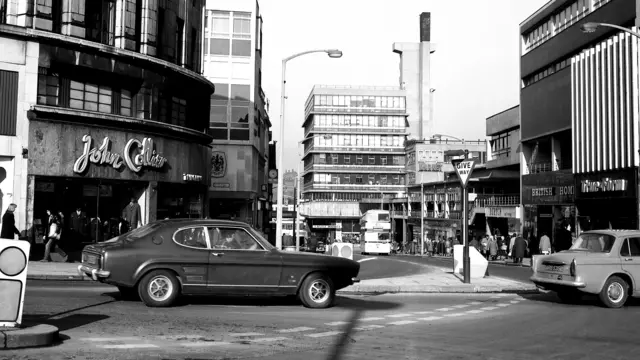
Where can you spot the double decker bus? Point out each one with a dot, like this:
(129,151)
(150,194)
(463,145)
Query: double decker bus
(375,232)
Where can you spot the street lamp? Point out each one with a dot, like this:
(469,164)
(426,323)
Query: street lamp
(440,136)
(591,27)
(332,53)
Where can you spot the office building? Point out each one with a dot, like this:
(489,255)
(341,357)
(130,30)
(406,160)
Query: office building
(239,120)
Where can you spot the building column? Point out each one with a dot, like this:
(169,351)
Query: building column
(148,202)
(556,153)
(28,208)
(120,28)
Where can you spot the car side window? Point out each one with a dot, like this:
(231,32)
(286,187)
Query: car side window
(192,237)
(634,246)
(624,250)
(231,239)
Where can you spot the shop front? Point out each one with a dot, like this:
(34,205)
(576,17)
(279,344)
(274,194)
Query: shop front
(344,229)
(504,219)
(549,207)
(91,175)
(607,200)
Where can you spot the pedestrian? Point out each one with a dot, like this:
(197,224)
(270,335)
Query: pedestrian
(474,243)
(78,226)
(511,243)
(132,214)
(484,246)
(503,248)
(9,228)
(493,248)
(52,236)
(519,248)
(429,246)
(545,244)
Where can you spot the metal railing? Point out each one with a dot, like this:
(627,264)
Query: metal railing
(497,200)
(358,87)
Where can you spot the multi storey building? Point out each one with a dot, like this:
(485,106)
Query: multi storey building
(102,102)
(578,106)
(353,154)
(239,122)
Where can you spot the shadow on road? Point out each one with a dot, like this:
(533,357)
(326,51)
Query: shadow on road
(66,320)
(586,300)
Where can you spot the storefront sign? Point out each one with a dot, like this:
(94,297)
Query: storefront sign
(502,212)
(192,177)
(430,166)
(136,156)
(548,188)
(218,164)
(546,191)
(606,185)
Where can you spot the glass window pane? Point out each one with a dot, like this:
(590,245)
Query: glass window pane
(219,46)
(221,92)
(76,94)
(239,114)
(241,48)
(77,85)
(76,104)
(239,134)
(218,114)
(91,106)
(240,92)
(219,134)
(104,108)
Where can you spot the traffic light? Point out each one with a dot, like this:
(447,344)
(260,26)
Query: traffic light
(14,258)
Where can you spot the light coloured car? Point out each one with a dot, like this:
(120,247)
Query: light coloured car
(601,262)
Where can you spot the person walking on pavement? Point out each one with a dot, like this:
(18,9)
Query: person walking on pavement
(512,242)
(545,244)
(132,214)
(9,228)
(519,248)
(493,248)
(474,243)
(53,236)
(78,226)
(484,245)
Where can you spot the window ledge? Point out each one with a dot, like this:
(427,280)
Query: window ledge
(80,116)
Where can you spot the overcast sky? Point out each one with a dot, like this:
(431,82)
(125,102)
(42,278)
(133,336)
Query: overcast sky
(474,70)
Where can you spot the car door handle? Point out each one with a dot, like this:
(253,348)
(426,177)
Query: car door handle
(217,254)
(628,259)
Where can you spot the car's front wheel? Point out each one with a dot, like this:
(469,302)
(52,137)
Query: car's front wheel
(614,293)
(159,288)
(317,291)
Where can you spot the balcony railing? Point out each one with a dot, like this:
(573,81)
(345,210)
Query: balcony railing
(354,148)
(336,129)
(396,169)
(548,166)
(497,200)
(355,187)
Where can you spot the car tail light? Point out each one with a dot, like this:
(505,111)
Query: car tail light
(572,268)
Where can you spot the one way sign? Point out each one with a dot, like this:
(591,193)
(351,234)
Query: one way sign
(464,168)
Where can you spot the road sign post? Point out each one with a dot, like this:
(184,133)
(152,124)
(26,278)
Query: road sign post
(464,168)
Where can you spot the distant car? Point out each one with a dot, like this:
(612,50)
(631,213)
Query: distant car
(167,258)
(602,262)
(320,247)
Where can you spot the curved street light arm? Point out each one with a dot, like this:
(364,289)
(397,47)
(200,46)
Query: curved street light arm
(305,53)
(596,24)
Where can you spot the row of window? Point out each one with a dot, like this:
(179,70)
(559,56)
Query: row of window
(359,140)
(62,91)
(359,101)
(569,15)
(348,159)
(548,71)
(371,179)
(349,196)
(365,121)
(500,145)
(218,238)
(227,33)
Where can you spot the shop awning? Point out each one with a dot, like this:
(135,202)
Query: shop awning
(495,175)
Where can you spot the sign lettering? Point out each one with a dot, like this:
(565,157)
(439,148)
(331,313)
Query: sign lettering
(545,191)
(605,185)
(191,177)
(502,212)
(137,155)
(463,168)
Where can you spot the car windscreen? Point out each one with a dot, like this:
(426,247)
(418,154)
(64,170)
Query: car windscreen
(142,231)
(383,236)
(594,243)
(383,217)
(264,242)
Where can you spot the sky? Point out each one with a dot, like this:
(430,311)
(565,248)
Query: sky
(475,69)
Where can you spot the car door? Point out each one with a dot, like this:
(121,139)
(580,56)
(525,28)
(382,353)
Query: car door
(193,257)
(630,254)
(238,264)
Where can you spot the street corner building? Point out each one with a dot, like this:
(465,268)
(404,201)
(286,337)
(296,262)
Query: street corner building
(101,102)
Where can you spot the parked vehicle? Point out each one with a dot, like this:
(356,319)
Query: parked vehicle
(165,259)
(602,262)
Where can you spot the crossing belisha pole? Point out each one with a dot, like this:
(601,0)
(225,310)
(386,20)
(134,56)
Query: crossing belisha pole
(464,168)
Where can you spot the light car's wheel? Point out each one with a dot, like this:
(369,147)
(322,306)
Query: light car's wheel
(614,293)
(569,296)
(128,294)
(317,291)
(159,288)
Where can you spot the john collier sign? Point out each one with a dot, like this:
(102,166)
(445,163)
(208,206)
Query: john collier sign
(136,155)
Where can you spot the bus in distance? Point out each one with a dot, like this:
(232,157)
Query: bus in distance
(375,232)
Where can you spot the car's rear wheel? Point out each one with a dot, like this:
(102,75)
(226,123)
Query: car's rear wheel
(317,291)
(159,288)
(128,294)
(614,293)
(569,296)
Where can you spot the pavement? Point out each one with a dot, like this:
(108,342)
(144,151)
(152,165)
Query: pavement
(29,335)
(95,324)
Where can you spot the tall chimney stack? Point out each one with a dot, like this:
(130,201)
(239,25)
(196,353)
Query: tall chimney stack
(425,26)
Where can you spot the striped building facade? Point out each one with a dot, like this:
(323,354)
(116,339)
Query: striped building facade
(605,108)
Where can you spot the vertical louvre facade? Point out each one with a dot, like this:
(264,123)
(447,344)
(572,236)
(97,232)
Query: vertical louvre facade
(604,100)
(8,102)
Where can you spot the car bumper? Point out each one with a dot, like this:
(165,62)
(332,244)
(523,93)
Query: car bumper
(541,282)
(95,274)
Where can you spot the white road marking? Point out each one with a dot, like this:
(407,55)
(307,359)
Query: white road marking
(475,303)
(367,327)
(454,315)
(297,329)
(475,311)
(336,323)
(460,306)
(206,343)
(424,312)
(505,295)
(488,308)
(503,305)
(324,334)
(128,346)
(110,339)
(432,318)
(372,319)
(269,339)
(399,315)
(403,322)
(367,259)
(246,334)
(515,301)
(444,309)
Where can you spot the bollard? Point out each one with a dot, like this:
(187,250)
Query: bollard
(14,259)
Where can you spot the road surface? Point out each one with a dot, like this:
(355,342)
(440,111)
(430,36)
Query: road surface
(95,324)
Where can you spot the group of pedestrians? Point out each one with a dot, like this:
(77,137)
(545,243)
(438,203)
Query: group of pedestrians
(440,247)
(501,248)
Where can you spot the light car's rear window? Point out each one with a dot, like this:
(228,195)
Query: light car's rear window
(594,243)
(142,231)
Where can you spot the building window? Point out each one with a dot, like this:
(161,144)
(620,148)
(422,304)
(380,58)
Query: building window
(125,102)
(179,41)
(178,111)
(372,160)
(358,159)
(372,179)
(383,160)
(48,14)
(396,160)
(193,63)
(358,179)
(90,97)
(3,11)
(220,43)
(347,159)
(334,159)
(241,44)
(9,82)
(100,21)
(396,180)
(138,25)
(160,33)
(383,179)
(48,87)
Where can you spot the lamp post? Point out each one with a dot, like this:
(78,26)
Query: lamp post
(591,27)
(280,150)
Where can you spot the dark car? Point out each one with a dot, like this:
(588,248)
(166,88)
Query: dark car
(164,259)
